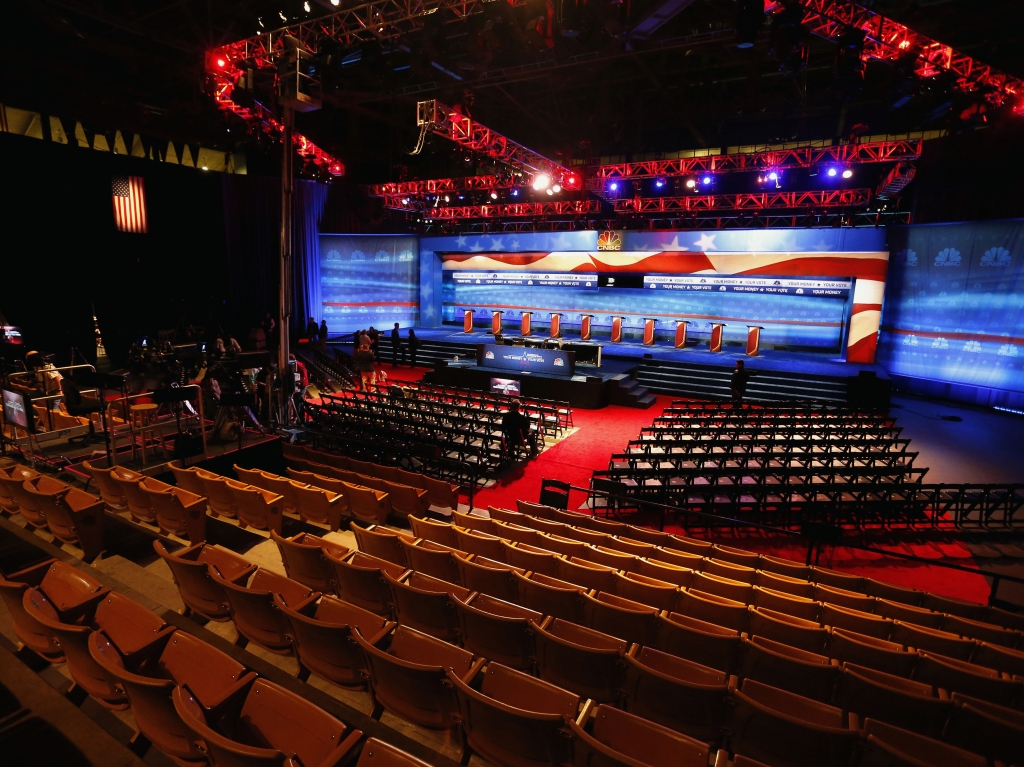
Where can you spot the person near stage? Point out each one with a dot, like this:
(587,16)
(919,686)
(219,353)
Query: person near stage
(374,342)
(515,428)
(364,338)
(365,367)
(414,345)
(396,346)
(303,372)
(312,330)
(740,377)
(323,335)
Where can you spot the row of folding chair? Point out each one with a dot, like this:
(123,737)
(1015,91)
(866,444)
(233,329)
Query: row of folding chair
(712,440)
(648,445)
(643,475)
(823,409)
(554,412)
(824,460)
(747,415)
(793,431)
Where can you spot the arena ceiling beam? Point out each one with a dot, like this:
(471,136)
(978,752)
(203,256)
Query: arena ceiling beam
(889,40)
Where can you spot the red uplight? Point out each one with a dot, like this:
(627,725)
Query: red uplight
(221,63)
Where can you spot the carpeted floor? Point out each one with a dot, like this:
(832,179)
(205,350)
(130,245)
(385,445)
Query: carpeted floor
(603,432)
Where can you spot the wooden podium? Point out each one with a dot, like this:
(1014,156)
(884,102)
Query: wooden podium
(525,327)
(467,321)
(649,331)
(717,331)
(681,326)
(616,330)
(753,339)
(556,325)
(496,323)
(585,321)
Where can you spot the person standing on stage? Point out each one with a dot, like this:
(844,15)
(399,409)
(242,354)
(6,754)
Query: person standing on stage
(311,331)
(740,376)
(323,335)
(414,345)
(396,346)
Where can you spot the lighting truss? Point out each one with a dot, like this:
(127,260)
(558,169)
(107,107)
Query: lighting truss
(468,133)
(775,159)
(896,180)
(831,198)
(443,185)
(263,118)
(515,210)
(889,40)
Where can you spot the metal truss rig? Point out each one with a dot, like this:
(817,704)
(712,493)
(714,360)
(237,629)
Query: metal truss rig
(470,134)
(832,198)
(775,159)
(515,210)
(889,40)
(442,186)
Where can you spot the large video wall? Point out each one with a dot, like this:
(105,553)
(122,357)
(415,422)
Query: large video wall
(369,280)
(954,306)
(809,289)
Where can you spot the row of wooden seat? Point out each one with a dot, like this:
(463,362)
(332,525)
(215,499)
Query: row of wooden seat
(678,690)
(125,656)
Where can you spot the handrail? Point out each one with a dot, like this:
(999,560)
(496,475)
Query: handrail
(813,542)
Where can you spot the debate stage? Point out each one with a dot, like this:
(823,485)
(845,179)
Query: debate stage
(630,371)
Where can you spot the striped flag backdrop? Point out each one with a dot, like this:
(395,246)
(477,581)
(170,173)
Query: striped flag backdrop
(129,204)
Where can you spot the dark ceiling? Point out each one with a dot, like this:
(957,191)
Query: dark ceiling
(139,66)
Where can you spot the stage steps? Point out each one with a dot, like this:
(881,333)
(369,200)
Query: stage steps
(627,391)
(433,351)
(706,381)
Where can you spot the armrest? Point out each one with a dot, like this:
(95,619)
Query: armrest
(386,629)
(586,712)
(478,664)
(32,576)
(721,758)
(340,754)
(854,721)
(231,691)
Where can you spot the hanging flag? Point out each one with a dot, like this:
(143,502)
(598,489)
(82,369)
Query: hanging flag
(129,204)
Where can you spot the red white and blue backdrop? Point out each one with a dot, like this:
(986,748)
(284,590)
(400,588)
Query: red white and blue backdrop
(811,289)
(954,307)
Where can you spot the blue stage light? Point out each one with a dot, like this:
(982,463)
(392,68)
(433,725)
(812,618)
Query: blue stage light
(614,186)
(660,182)
(515,192)
(773,176)
(706,179)
(832,171)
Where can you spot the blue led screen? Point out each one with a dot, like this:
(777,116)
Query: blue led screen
(954,304)
(792,320)
(369,280)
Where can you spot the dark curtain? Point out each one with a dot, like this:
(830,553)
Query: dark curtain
(310,198)
(252,228)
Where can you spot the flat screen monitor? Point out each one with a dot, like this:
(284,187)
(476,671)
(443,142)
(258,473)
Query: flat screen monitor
(18,409)
(509,386)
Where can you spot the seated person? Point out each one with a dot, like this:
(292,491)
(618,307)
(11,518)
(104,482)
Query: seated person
(515,428)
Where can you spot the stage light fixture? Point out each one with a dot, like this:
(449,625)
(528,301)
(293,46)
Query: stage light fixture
(221,63)
(515,193)
(614,186)
(305,6)
(847,173)
(405,201)
(556,188)
(706,180)
(550,191)
(773,176)
(494,195)
(541,181)
(691,183)
(831,172)
(659,183)
(447,198)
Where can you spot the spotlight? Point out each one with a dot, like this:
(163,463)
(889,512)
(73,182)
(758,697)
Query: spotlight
(773,176)
(847,173)
(556,188)
(571,181)
(305,6)
(542,181)
(515,192)
(405,201)
(447,198)
(614,186)
(691,183)
(550,192)
(706,180)
(221,63)
(205,168)
(494,195)
(659,183)
(831,172)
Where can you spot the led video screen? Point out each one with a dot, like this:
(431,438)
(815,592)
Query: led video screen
(369,280)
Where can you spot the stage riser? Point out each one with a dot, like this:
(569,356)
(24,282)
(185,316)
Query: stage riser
(692,381)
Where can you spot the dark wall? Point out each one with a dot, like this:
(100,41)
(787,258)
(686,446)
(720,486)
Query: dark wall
(61,252)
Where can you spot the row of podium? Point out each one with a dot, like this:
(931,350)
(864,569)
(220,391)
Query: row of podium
(555,331)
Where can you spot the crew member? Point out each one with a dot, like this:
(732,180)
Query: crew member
(396,346)
(365,366)
(740,376)
(515,428)
(414,345)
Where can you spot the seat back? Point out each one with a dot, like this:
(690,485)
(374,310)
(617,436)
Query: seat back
(494,579)
(850,647)
(887,744)
(257,508)
(439,492)
(304,561)
(473,522)
(587,575)
(405,500)
(222,501)
(321,506)
(704,643)
(788,668)
(712,608)
(666,572)
(359,579)
(109,490)
(579,659)
(407,676)
(497,630)
(323,640)
(76,517)
(780,728)
(796,632)
(188,479)
(381,543)
(995,732)
(513,718)
(254,613)
(479,543)
(35,635)
(677,693)
(621,618)
(377,753)
(620,739)
(898,701)
(550,596)
(933,640)
(647,590)
(835,616)
(426,604)
(968,679)
(431,559)
(138,502)
(367,504)
(436,532)
(199,590)
(531,559)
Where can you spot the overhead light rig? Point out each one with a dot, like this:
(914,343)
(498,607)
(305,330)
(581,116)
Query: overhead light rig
(774,159)
(889,40)
(830,198)
(895,181)
(443,185)
(515,210)
(433,116)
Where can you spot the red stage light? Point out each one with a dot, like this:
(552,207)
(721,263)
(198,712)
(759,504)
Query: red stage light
(221,63)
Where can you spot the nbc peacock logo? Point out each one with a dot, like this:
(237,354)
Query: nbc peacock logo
(1007,350)
(609,240)
(940,343)
(948,257)
(996,257)
(908,256)
(910,340)
(972,346)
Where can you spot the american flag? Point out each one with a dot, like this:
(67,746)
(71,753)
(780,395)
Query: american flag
(129,204)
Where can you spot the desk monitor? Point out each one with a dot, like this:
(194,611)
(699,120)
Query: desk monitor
(18,409)
(509,386)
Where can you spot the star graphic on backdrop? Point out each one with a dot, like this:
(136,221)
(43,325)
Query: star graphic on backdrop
(476,247)
(821,245)
(557,242)
(496,243)
(706,242)
(515,243)
(460,241)
(675,245)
